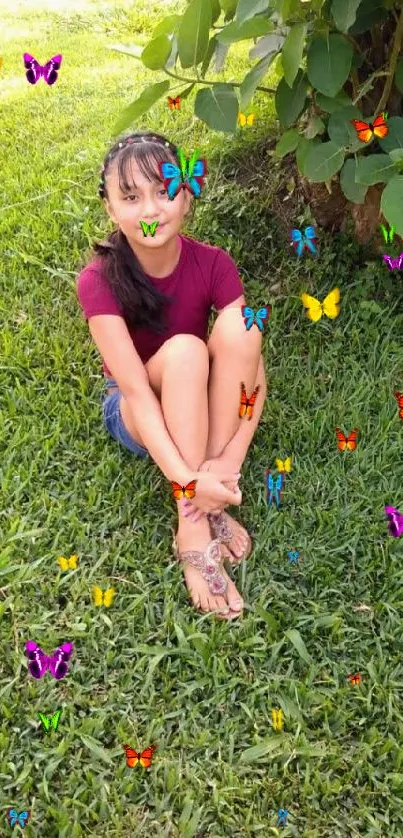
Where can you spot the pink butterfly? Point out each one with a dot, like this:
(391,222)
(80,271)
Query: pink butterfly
(35,70)
(56,663)
(394,263)
(395,521)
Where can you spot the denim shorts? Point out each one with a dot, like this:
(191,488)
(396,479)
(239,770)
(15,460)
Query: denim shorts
(114,422)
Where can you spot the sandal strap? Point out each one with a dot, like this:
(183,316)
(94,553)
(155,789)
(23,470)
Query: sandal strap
(220,527)
(209,562)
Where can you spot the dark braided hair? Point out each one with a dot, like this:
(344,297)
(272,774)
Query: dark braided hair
(142,304)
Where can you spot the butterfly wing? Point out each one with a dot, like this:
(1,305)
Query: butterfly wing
(178,491)
(287,464)
(399,261)
(171,175)
(72,562)
(351,442)
(55,719)
(399,399)
(38,661)
(197,170)
(363,129)
(97,595)
(385,233)
(23,818)
(280,464)
(313,307)
(109,596)
(309,238)
(50,69)
(144,227)
(244,402)
(381,129)
(250,119)
(249,316)
(297,241)
(58,661)
(34,69)
(395,521)
(242,119)
(331,305)
(261,316)
(153,227)
(278,487)
(389,261)
(146,756)
(190,489)
(45,721)
(132,757)
(341,439)
(251,402)
(63,563)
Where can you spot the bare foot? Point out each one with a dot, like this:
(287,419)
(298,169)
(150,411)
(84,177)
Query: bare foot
(239,541)
(196,536)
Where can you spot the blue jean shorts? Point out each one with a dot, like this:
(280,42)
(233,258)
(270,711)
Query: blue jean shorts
(114,422)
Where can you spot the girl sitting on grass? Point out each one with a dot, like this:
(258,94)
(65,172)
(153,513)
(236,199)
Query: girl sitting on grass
(172,391)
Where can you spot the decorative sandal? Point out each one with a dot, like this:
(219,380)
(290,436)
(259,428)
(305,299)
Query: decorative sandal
(209,562)
(223,532)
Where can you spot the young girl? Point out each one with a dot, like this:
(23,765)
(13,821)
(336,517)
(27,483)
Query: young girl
(172,391)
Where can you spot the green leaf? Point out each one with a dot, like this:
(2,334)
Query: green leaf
(376,168)
(252,79)
(217,106)
(399,75)
(242,31)
(265,45)
(394,137)
(323,161)
(370,12)
(97,749)
(292,51)
(329,63)
(146,100)
(229,7)
(392,203)
(215,10)
(212,46)
(271,746)
(193,34)
(290,101)
(334,103)
(248,8)
(167,26)
(396,155)
(155,55)
(353,191)
(344,13)
(220,56)
(288,142)
(299,644)
(315,126)
(342,131)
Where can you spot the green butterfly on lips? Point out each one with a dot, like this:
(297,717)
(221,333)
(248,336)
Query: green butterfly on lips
(149,228)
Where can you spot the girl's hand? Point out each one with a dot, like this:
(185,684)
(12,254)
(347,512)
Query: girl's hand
(211,493)
(216,466)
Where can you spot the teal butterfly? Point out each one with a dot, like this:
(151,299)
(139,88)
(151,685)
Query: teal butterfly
(22,818)
(293,556)
(51,721)
(188,175)
(149,228)
(259,317)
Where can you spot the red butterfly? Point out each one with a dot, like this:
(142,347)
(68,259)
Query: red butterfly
(145,758)
(349,442)
(188,491)
(355,679)
(399,399)
(246,405)
(174,104)
(366,130)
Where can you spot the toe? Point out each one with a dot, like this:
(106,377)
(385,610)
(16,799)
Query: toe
(234,598)
(218,603)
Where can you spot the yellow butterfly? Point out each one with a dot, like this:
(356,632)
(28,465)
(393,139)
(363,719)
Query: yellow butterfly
(103,598)
(246,120)
(277,716)
(284,465)
(315,308)
(68,564)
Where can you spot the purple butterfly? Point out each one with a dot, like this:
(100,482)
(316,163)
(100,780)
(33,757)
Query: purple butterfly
(395,521)
(394,263)
(35,70)
(39,662)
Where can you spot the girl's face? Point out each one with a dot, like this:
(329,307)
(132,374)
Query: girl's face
(147,201)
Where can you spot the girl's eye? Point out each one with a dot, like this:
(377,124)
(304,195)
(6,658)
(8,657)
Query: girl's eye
(130,196)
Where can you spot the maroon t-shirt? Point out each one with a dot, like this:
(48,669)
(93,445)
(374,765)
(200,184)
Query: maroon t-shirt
(204,277)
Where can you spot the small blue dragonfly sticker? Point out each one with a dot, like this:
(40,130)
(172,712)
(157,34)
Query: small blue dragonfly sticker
(304,241)
(282,815)
(274,488)
(293,556)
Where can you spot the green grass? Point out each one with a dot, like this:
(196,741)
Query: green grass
(150,669)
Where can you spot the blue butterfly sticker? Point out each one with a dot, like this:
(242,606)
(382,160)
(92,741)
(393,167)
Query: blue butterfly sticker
(293,556)
(306,240)
(188,175)
(274,488)
(259,317)
(282,815)
(22,818)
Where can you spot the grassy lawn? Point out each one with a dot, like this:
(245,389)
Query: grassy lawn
(150,669)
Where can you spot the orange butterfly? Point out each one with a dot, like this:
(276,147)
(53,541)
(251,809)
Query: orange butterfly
(145,758)
(188,491)
(399,399)
(246,405)
(349,442)
(174,104)
(366,130)
(355,679)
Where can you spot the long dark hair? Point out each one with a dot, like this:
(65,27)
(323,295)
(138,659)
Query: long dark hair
(142,304)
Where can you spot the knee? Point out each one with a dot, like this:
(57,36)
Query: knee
(229,332)
(187,352)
